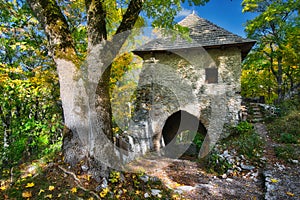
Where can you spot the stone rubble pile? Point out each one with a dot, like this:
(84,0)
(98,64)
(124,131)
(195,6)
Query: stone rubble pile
(240,166)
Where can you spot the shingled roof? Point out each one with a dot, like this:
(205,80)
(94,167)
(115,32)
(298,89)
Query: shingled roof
(203,33)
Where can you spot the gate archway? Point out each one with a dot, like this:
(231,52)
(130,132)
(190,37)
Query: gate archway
(180,127)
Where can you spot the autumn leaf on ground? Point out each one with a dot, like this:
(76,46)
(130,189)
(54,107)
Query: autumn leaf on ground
(29,185)
(41,190)
(3,187)
(26,194)
(51,187)
(273,180)
(290,194)
(74,190)
(137,192)
(49,196)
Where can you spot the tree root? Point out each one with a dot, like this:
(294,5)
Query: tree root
(78,182)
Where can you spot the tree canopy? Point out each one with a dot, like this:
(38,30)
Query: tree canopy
(272,69)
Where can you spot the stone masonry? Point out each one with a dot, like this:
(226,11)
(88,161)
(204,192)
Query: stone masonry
(196,85)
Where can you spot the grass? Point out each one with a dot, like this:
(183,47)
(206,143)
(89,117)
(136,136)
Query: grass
(51,179)
(285,130)
(246,141)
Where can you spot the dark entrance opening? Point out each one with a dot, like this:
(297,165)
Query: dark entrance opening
(182,128)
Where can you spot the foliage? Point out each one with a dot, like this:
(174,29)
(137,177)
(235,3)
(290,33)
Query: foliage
(246,141)
(285,152)
(285,129)
(198,140)
(216,164)
(272,68)
(22,43)
(29,113)
(123,83)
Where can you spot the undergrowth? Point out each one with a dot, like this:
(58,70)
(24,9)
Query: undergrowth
(285,130)
(244,140)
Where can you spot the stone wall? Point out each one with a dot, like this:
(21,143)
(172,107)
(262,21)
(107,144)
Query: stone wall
(176,81)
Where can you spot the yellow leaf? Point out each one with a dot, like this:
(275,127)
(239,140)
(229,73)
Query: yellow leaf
(29,185)
(49,196)
(137,192)
(41,190)
(91,198)
(3,187)
(26,194)
(51,187)
(59,195)
(273,180)
(74,190)
(290,194)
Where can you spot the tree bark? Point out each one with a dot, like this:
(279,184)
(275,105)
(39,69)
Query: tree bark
(84,89)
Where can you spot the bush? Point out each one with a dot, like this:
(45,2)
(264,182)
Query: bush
(286,129)
(246,141)
(30,115)
(214,163)
(285,152)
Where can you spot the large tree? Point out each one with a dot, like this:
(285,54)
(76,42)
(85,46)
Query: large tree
(276,29)
(85,97)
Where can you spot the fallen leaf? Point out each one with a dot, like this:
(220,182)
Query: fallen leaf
(3,187)
(26,194)
(51,187)
(290,194)
(49,196)
(137,192)
(74,190)
(273,180)
(29,185)
(41,190)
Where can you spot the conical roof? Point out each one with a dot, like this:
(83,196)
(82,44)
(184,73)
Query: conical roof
(203,33)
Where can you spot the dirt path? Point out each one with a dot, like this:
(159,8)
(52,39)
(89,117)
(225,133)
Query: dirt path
(281,178)
(275,181)
(188,179)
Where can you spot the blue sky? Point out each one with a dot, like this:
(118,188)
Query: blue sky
(224,13)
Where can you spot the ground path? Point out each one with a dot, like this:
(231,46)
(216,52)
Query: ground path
(275,180)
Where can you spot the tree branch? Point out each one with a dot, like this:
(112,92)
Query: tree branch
(55,26)
(131,15)
(96,25)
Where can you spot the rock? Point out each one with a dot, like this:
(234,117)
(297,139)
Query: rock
(242,157)
(155,192)
(144,178)
(229,172)
(264,159)
(84,168)
(185,188)
(225,154)
(224,176)
(247,167)
(146,195)
(280,167)
(104,184)
(239,169)
(294,161)
(154,179)
(229,179)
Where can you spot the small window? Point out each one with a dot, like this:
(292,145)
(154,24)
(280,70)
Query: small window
(211,75)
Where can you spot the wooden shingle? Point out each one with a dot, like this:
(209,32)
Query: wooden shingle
(203,34)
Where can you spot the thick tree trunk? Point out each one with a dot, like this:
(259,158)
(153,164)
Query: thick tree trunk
(84,89)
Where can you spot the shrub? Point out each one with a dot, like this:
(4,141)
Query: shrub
(285,152)
(30,116)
